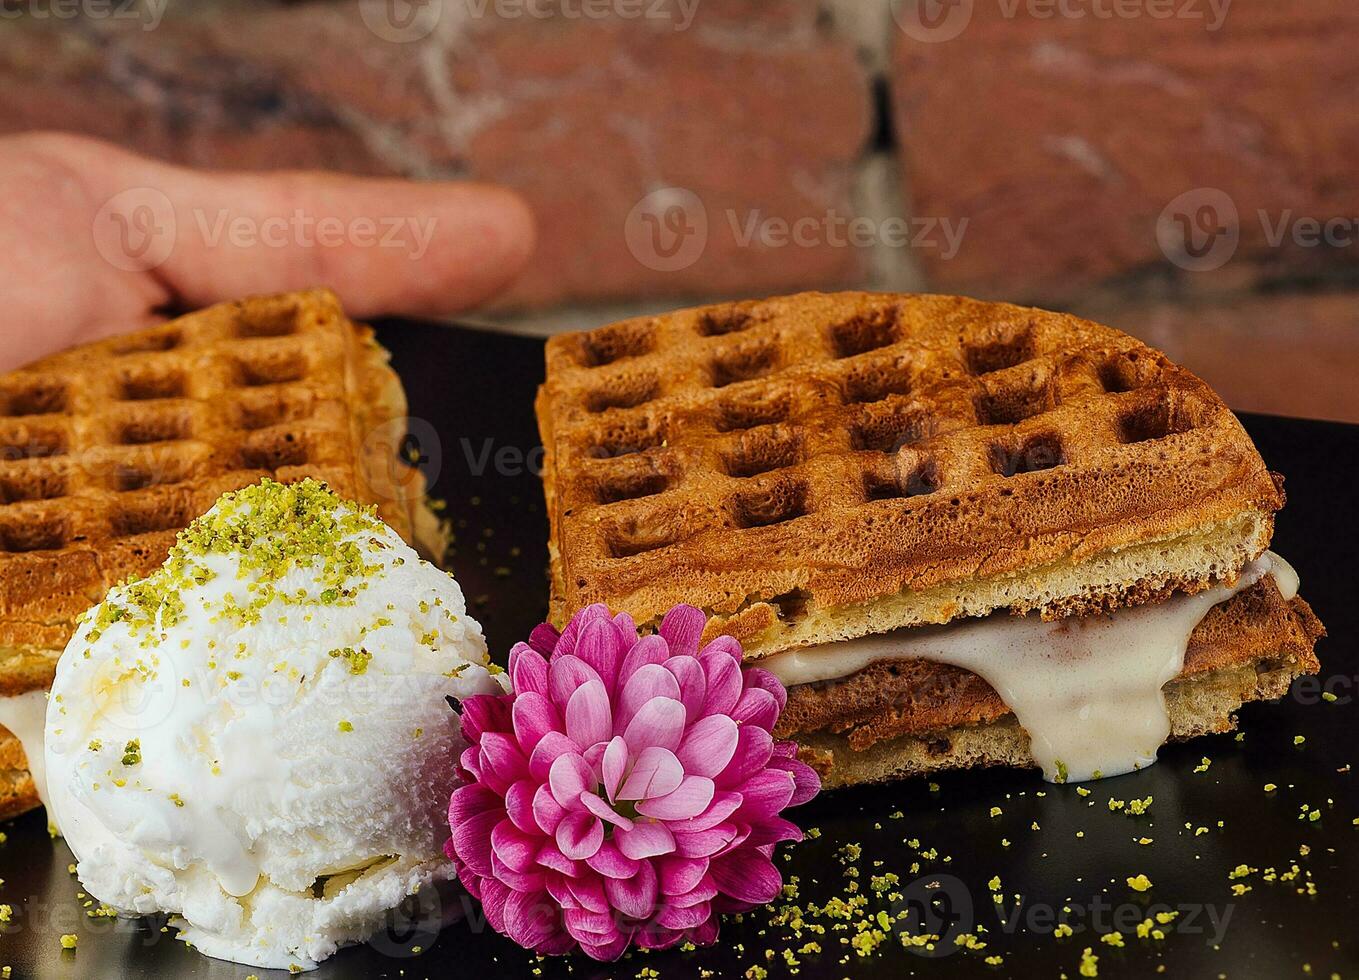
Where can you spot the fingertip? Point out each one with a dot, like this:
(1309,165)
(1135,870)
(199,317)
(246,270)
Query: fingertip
(490,238)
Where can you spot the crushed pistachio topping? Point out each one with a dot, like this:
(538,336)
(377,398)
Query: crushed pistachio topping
(68,941)
(132,753)
(356,660)
(270,529)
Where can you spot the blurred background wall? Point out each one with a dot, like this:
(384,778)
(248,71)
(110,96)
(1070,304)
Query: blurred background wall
(1183,169)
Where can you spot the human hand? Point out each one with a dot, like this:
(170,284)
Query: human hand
(99,241)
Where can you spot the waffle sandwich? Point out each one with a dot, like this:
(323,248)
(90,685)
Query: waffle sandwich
(931,517)
(108,450)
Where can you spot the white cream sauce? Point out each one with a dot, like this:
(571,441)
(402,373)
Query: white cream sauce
(1086,689)
(24,715)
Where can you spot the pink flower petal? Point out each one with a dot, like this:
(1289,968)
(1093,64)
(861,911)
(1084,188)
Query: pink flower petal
(589,894)
(646,839)
(547,812)
(533,716)
(519,805)
(724,682)
(571,635)
(533,880)
(569,777)
(703,891)
(627,626)
(512,847)
(528,670)
(725,645)
(589,719)
(601,646)
(675,917)
(650,681)
(579,835)
(611,862)
(559,887)
(543,638)
(756,708)
(709,745)
(688,800)
(754,746)
(724,804)
(472,841)
(706,934)
(603,811)
(650,649)
(551,857)
(590,926)
(682,628)
(766,794)
(564,675)
(806,782)
(680,875)
(484,713)
(530,919)
(501,760)
(705,843)
(659,722)
(613,765)
(747,876)
(635,897)
(655,773)
(693,685)
(493,898)
(763,679)
(774,830)
(468,801)
(546,752)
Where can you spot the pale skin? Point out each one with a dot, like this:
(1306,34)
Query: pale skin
(388,247)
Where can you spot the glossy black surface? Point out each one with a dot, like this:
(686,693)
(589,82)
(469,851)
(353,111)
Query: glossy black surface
(474,392)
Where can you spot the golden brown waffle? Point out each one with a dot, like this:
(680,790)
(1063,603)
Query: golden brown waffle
(814,467)
(108,450)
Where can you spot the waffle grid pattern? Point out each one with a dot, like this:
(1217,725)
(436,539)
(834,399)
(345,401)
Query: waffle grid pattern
(708,429)
(139,435)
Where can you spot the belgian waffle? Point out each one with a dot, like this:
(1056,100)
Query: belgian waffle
(815,468)
(108,450)
(818,467)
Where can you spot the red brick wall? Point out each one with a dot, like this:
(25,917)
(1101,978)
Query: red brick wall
(1036,150)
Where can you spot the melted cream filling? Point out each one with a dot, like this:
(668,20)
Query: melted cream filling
(1086,689)
(25,715)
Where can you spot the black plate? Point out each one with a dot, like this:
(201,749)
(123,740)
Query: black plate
(474,392)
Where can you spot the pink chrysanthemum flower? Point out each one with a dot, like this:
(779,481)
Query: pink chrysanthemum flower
(628,791)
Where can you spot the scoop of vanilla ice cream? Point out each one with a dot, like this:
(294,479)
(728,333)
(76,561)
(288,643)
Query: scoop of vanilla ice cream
(256,737)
